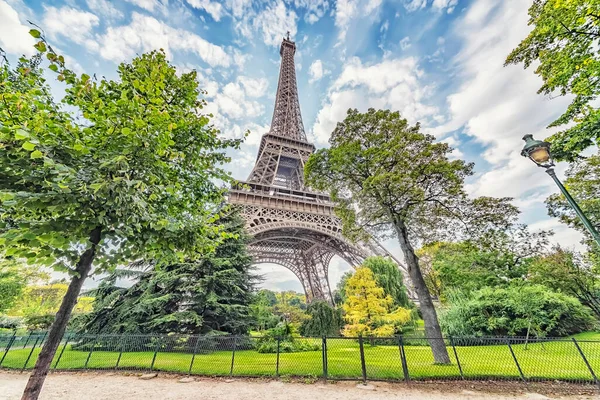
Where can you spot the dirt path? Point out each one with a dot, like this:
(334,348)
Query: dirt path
(96,386)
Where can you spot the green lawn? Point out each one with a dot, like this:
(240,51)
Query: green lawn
(553,360)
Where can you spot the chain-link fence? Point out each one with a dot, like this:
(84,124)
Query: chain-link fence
(394,358)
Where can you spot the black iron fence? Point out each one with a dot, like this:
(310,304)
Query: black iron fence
(394,358)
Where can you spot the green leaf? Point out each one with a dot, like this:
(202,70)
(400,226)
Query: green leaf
(126,131)
(21,134)
(28,146)
(36,154)
(53,67)
(40,46)
(96,186)
(78,147)
(35,33)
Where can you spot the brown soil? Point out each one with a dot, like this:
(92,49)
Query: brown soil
(96,386)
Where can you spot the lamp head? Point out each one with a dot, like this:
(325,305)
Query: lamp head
(537,151)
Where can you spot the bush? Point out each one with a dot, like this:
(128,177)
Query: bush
(323,320)
(12,323)
(284,332)
(513,311)
(39,322)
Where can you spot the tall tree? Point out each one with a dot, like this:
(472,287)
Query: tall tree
(117,171)
(389,277)
(324,320)
(387,177)
(564,41)
(368,310)
(212,293)
(14,278)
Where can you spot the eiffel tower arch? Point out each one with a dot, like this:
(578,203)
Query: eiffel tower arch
(290,224)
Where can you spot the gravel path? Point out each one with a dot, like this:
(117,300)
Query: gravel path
(96,386)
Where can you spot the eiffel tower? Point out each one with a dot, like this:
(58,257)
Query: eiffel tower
(292,225)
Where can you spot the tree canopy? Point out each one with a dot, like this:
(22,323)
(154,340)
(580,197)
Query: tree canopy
(389,277)
(564,40)
(117,170)
(387,177)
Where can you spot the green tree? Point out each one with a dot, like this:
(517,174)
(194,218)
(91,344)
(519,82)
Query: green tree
(564,41)
(567,272)
(389,277)
(262,310)
(212,293)
(339,294)
(515,310)
(583,182)
(386,176)
(368,311)
(324,320)
(14,278)
(116,171)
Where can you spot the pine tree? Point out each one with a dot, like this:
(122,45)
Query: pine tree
(368,309)
(211,294)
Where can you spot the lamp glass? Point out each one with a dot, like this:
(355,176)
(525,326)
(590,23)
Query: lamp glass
(540,155)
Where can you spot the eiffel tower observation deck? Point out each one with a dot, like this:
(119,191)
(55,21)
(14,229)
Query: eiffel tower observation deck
(291,224)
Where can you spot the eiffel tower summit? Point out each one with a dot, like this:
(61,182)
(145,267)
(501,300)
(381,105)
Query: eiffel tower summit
(292,225)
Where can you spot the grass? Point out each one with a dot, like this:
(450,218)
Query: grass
(554,360)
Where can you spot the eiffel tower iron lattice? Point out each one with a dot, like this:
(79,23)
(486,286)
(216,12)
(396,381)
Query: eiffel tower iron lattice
(292,225)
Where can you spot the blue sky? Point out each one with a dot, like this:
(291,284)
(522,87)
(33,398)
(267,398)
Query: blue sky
(439,62)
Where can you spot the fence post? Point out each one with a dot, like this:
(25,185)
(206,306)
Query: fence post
(516,361)
(362,359)
(28,337)
(30,353)
(403,359)
(90,354)
(277,365)
(232,357)
(68,337)
(155,353)
(324,355)
(456,356)
(194,354)
(586,362)
(8,346)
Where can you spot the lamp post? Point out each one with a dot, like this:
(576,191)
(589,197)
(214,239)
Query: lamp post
(539,152)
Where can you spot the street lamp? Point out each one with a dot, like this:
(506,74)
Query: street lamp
(539,152)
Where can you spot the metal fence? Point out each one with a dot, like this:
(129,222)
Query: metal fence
(395,358)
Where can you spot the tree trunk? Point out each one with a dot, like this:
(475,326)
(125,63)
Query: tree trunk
(433,332)
(57,330)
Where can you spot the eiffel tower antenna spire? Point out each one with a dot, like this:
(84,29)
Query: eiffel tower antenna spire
(292,225)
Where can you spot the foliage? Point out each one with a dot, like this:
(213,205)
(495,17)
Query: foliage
(268,308)
(385,176)
(262,310)
(324,320)
(283,336)
(339,294)
(7,322)
(564,41)
(197,296)
(368,311)
(513,311)
(14,277)
(117,171)
(583,183)
(389,277)
(39,322)
(567,272)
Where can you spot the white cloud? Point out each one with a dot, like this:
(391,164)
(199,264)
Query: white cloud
(104,8)
(316,71)
(238,7)
(147,5)
(391,83)
(274,22)
(231,103)
(213,8)
(146,33)
(254,87)
(447,5)
(70,23)
(348,10)
(14,36)
(315,9)
(414,5)
(405,43)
